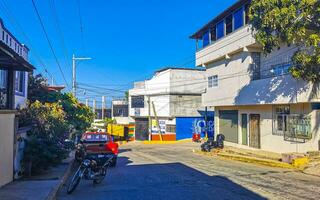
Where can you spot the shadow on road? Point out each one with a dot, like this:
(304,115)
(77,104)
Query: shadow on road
(133,180)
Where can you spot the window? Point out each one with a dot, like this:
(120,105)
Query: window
(6,38)
(137,102)
(255,66)
(246,10)
(170,128)
(213,33)
(220,30)
(10,42)
(205,39)
(19,82)
(3,89)
(280,119)
(281,69)
(229,25)
(2,35)
(238,19)
(213,81)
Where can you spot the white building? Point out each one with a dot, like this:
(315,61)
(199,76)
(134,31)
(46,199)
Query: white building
(14,68)
(257,103)
(174,92)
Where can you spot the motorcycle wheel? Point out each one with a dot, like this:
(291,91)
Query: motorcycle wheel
(74,182)
(102,174)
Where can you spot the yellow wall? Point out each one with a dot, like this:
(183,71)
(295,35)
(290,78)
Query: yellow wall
(6,147)
(116,130)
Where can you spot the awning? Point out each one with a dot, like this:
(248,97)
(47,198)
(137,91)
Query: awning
(9,59)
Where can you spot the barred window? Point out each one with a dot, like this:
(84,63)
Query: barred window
(280,119)
(170,128)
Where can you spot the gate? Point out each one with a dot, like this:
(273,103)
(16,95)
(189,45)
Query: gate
(141,129)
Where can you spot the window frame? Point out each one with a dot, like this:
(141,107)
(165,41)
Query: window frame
(213,81)
(20,83)
(281,112)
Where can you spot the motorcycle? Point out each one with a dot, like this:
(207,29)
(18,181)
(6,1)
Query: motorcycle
(93,167)
(211,144)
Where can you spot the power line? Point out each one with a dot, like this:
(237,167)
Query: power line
(60,33)
(19,28)
(81,24)
(48,40)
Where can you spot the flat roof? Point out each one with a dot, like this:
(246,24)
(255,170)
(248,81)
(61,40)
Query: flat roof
(179,68)
(218,18)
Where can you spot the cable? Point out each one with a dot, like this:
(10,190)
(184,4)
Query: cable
(47,37)
(81,24)
(20,29)
(61,36)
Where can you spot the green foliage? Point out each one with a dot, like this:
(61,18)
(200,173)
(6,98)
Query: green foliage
(45,142)
(53,116)
(291,22)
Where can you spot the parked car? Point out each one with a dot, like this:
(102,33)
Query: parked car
(97,143)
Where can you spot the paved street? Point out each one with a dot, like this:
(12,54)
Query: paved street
(174,172)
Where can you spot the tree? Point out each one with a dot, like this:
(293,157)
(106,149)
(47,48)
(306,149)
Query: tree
(292,22)
(45,146)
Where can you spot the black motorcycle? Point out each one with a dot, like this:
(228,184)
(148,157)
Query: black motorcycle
(211,144)
(93,167)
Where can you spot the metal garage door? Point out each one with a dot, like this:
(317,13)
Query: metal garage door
(141,129)
(228,125)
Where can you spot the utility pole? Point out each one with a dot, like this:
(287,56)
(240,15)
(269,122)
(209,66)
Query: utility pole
(94,106)
(103,107)
(206,121)
(157,119)
(74,82)
(149,118)
(87,102)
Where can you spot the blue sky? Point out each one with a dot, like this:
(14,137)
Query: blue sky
(128,40)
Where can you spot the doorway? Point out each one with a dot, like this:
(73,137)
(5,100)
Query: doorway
(254,134)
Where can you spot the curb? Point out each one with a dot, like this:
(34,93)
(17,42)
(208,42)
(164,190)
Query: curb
(54,191)
(167,142)
(258,161)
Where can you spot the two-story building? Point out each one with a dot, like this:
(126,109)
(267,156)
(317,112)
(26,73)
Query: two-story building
(170,94)
(257,103)
(14,68)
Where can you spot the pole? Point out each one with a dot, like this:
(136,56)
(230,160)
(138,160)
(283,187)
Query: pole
(149,118)
(74,89)
(157,119)
(206,121)
(94,106)
(102,107)
(87,102)
(74,82)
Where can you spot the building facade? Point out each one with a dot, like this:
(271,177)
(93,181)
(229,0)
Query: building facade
(14,69)
(257,103)
(170,93)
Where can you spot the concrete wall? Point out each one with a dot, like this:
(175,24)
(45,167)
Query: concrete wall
(185,105)
(270,142)
(174,92)
(235,86)
(6,147)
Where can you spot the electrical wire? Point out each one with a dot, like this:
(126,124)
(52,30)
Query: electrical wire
(49,42)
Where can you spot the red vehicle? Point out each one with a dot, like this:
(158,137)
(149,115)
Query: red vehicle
(99,143)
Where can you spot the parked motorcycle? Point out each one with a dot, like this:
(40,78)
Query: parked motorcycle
(211,144)
(93,167)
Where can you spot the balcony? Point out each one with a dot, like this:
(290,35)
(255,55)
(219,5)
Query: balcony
(238,41)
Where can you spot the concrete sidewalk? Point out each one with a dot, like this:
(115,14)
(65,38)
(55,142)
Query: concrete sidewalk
(40,187)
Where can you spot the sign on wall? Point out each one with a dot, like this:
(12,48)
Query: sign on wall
(154,128)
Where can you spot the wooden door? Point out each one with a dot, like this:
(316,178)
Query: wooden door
(254,137)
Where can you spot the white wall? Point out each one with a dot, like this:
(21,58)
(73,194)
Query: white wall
(6,147)
(235,86)
(168,87)
(270,142)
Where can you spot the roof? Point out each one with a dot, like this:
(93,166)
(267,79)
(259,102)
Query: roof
(178,68)
(218,18)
